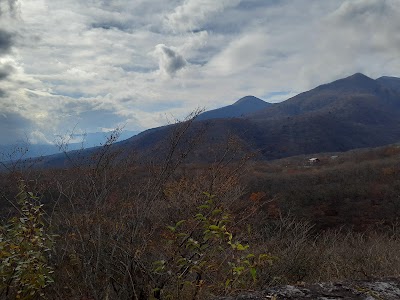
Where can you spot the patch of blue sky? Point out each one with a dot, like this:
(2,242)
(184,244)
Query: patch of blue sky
(74,95)
(137,69)
(277,96)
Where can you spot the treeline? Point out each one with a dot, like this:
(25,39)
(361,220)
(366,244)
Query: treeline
(359,189)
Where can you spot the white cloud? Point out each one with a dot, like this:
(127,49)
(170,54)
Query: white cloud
(193,14)
(247,51)
(97,64)
(38,137)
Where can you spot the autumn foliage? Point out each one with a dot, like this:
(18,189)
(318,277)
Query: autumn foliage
(115,227)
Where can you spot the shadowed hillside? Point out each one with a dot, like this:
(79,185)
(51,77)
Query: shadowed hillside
(349,113)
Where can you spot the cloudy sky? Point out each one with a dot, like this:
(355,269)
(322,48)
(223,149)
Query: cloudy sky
(95,64)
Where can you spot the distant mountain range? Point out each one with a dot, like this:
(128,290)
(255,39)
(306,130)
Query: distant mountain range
(349,113)
(353,112)
(71,142)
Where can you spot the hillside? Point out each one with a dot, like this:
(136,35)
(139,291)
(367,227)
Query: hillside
(350,113)
(390,82)
(354,112)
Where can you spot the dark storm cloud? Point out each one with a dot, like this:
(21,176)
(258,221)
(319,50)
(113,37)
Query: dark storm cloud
(8,9)
(13,127)
(3,74)
(5,71)
(6,41)
(169,60)
(111,25)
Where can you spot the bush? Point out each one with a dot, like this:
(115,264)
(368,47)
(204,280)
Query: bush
(203,257)
(24,250)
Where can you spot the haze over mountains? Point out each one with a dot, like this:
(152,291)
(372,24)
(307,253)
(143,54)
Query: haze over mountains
(353,112)
(72,141)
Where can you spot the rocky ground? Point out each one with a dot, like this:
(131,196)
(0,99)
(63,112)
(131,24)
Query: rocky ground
(379,289)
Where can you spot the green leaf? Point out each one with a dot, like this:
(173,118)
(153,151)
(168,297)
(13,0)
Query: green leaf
(253,273)
(207,194)
(172,228)
(182,261)
(159,263)
(240,247)
(200,217)
(216,211)
(214,227)
(228,282)
(264,256)
(180,223)
(230,236)
(204,206)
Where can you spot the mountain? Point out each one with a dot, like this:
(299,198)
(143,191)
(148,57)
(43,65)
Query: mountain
(326,96)
(353,112)
(349,113)
(151,143)
(390,82)
(240,108)
(73,142)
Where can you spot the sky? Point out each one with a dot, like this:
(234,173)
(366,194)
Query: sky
(90,66)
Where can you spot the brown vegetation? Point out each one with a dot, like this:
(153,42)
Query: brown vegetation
(111,216)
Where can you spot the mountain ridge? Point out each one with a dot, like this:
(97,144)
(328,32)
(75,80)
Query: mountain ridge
(240,108)
(349,113)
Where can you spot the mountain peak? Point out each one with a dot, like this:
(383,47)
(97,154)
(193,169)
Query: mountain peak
(356,79)
(388,78)
(248,99)
(356,82)
(390,82)
(358,76)
(240,108)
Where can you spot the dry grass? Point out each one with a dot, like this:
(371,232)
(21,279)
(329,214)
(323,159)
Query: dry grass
(306,256)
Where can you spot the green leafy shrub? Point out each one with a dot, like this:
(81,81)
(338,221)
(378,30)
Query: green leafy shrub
(24,248)
(204,257)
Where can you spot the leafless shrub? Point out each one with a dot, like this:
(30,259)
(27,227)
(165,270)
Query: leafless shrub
(304,255)
(110,220)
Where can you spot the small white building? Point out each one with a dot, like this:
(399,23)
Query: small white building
(313,160)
